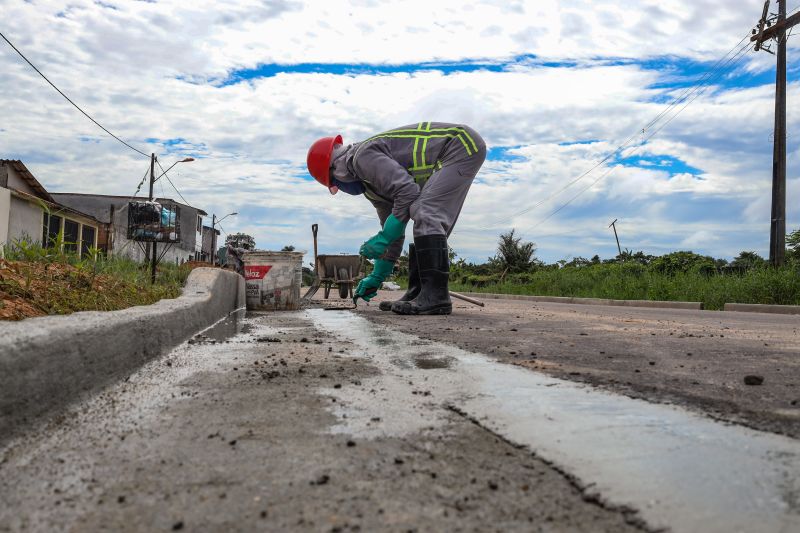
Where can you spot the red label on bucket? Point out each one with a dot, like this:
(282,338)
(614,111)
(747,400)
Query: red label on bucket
(256,272)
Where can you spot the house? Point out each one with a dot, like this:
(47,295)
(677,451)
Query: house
(113,210)
(29,213)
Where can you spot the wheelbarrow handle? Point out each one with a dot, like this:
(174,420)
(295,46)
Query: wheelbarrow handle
(314,229)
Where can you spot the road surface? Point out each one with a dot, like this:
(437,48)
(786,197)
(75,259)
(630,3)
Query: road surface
(321,421)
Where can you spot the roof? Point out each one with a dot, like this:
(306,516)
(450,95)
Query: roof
(26,176)
(127,198)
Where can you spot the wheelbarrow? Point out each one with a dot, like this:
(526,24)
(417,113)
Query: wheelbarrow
(329,270)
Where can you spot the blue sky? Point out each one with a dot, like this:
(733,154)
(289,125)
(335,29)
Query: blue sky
(245,86)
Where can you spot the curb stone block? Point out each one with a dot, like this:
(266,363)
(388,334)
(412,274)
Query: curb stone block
(48,362)
(590,301)
(762,308)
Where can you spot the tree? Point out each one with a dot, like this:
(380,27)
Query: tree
(748,260)
(793,245)
(578,262)
(683,261)
(241,240)
(288,248)
(513,255)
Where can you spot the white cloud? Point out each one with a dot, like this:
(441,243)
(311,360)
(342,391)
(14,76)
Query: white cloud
(123,66)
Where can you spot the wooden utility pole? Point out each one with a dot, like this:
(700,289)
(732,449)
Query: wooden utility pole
(213,237)
(766,31)
(153,255)
(614,225)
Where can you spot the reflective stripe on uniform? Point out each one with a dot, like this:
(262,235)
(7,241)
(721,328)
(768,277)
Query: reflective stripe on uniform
(420,170)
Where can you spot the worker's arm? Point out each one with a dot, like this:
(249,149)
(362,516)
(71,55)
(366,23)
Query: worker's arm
(390,180)
(395,247)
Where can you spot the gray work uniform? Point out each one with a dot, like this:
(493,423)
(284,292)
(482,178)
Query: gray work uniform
(420,172)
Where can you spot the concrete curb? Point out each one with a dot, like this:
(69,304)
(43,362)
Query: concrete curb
(47,362)
(764,308)
(696,306)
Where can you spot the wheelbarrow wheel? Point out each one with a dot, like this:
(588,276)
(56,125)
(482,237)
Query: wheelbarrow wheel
(344,287)
(344,290)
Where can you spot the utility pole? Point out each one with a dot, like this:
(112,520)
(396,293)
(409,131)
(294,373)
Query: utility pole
(614,225)
(153,255)
(777,237)
(213,237)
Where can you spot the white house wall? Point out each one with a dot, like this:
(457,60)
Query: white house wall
(5,212)
(25,222)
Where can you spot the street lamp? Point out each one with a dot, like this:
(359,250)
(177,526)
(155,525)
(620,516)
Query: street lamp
(185,160)
(214,222)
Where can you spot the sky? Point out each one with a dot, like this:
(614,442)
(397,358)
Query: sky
(554,88)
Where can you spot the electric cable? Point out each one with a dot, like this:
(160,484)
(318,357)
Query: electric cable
(139,187)
(164,173)
(714,70)
(76,106)
(635,149)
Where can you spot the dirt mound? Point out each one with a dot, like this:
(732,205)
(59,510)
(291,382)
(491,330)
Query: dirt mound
(38,288)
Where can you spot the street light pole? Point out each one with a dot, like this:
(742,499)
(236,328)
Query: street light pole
(214,222)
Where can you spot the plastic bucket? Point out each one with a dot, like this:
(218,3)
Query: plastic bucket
(272,280)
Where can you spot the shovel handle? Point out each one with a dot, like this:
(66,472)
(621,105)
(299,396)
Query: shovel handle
(467,299)
(314,229)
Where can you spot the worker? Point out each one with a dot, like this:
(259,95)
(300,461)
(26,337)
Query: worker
(420,172)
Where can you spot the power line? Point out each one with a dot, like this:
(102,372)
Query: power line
(635,149)
(139,187)
(67,97)
(164,173)
(714,71)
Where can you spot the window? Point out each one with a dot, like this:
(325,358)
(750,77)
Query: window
(71,235)
(199,224)
(52,227)
(87,240)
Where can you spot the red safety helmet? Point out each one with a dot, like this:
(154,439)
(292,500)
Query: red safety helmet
(319,159)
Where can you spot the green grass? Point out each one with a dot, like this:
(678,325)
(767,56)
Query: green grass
(44,281)
(636,282)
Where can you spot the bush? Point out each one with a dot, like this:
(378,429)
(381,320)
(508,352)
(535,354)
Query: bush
(683,262)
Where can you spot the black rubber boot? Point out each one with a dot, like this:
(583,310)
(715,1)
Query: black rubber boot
(434,274)
(413,281)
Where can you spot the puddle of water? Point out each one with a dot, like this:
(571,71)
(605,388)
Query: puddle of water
(228,327)
(679,469)
(426,362)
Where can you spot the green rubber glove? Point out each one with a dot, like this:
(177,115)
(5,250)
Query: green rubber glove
(392,230)
(368,287)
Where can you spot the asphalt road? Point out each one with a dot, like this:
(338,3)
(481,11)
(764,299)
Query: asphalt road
(240,434)
(288,422)
(695,359)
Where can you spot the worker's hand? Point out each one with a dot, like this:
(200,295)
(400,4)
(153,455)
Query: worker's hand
(375,247)
(368,287)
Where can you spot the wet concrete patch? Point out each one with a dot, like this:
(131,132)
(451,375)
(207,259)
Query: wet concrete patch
(680,470)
